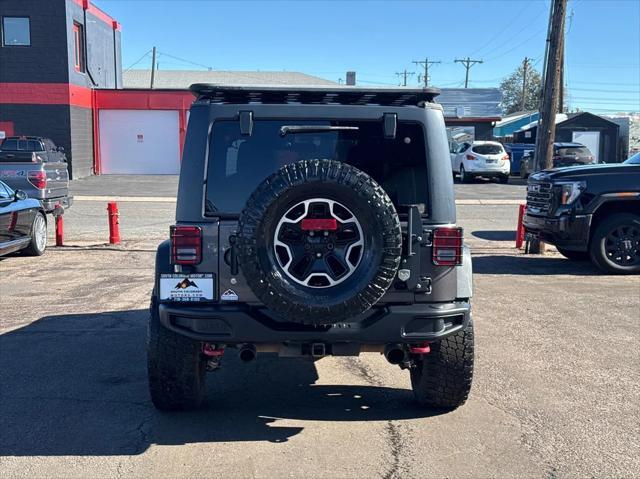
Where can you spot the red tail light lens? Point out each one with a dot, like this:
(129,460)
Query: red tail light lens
(447,246)
(38,179)
(186,244)
(505,157)
(471,157)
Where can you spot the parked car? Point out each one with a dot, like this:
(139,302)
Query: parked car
(589,212)
(325,228)
(564,154)
(23,223)
(633,160)
(481,158)
(36,166)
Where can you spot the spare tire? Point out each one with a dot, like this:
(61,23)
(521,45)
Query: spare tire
(319,242)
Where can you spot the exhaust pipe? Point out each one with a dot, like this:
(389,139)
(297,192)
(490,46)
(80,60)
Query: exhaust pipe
(247,353)
(395,354)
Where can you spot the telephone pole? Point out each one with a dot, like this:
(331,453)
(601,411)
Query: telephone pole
(546,131)
(425,64)
(525,68)
(468,63)
(404,74)
(153,66)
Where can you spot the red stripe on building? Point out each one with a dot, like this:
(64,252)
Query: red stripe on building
(96,12)
(45,94)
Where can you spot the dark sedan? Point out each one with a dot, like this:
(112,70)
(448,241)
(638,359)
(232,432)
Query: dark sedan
(564,155)
(23,224)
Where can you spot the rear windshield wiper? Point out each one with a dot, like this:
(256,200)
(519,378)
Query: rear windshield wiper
(286,129)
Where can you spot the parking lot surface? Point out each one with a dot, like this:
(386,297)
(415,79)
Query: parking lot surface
(556,389)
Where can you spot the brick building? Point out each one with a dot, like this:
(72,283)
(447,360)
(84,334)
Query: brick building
(54,55)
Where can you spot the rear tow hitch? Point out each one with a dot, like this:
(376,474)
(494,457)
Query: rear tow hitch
(214,353)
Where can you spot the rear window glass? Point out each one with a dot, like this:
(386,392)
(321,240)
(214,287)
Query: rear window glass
(12,144)
(487,149)
(238,164)
(573,151)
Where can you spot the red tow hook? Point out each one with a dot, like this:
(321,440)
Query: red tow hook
(210,349)
(422,348)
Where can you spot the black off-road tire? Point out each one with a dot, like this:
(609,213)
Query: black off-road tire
(373,209)
(597,249)
(442,378)
(34,249)
(574,255)
(176,367)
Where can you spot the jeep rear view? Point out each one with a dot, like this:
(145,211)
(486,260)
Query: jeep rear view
(313,222)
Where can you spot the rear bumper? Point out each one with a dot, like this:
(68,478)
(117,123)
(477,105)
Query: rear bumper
(233,324)
(570,232)
(49,204)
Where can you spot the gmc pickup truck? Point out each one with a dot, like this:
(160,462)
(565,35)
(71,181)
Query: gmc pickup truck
(36,166)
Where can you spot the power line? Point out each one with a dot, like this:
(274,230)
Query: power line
(404,75)
(425,64)
(185,60)
(502,31)
(138,60)
(467,63)
(605,91)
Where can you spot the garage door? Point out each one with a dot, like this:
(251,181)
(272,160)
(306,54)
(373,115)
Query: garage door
(139,142)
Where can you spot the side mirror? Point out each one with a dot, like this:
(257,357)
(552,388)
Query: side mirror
(19,195)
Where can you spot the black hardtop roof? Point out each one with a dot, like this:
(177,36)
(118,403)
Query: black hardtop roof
(338,95)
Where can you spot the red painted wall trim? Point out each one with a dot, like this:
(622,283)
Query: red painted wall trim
(97,160)
(96,12)
(45,94)
(7,127)
(143,99)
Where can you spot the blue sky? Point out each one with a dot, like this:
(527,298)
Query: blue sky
(379,38)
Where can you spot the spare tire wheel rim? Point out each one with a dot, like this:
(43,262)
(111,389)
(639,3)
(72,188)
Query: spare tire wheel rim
(318,243)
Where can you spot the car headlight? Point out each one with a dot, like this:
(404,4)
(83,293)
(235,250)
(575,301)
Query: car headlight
(570,191)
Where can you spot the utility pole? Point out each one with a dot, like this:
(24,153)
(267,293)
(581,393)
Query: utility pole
(525,68)
(425,64)
(561,94)
(153,66)
(546,131)
(468,63)
(404,74)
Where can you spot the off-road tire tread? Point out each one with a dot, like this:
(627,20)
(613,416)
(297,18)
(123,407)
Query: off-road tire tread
(442,379)
(597,256)
(175,367)
(312,172)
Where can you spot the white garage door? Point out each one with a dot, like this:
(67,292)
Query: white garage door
(590,139)
(139,142)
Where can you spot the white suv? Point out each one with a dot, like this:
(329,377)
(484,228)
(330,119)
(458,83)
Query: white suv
(480,158)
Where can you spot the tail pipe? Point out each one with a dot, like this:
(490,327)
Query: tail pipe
(395,353)
(247,353)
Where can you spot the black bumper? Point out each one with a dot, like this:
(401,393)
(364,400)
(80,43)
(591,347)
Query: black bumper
(570,232)
(243,324)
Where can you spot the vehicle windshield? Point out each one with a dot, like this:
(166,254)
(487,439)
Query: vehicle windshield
(13,144)
(634,160)
(488,149)
(238,164)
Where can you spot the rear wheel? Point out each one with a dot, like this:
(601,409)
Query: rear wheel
(464,176)
(503,179)
(38,243)
(615,246)
(442,378)
(175,367)
(574,255)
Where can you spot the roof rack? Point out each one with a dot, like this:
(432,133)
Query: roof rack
(314,95)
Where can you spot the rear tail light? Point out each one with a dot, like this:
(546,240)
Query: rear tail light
(186,244)
(38,179)
(471,157)
(505,158)
(447,246)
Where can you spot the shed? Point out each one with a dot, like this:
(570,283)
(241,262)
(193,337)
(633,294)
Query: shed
(595,132)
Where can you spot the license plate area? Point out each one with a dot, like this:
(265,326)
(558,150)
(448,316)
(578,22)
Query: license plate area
(187,288)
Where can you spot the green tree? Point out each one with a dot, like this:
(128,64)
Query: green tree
(511,88)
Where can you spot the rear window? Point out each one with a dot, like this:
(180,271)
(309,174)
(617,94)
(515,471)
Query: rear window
(12,144)
(487,149)
(238,164)
(573,151)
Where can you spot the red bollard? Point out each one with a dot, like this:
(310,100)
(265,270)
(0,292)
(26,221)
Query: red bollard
(520,230)
(59,231)
(114,223)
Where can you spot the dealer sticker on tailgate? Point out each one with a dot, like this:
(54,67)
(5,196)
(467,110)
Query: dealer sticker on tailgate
(186,287)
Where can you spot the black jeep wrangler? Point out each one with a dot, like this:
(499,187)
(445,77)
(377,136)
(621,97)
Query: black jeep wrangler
(313,222)
(589,212)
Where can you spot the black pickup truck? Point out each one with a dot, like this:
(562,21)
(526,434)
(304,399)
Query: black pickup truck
(589,212)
